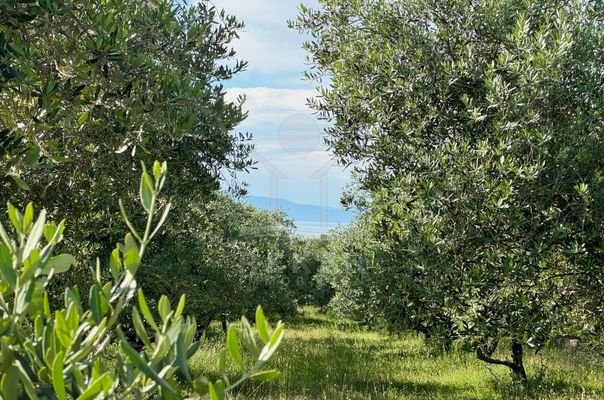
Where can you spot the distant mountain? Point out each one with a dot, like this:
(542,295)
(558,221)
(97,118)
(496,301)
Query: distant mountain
(311,220)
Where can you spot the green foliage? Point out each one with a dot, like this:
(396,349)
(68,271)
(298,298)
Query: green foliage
(89,88)
(63,352)
(348,261)
(308,287)
(226,256)
(477,129)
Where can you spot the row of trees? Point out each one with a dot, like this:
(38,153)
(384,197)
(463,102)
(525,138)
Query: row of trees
(228,256)
(475,127)
(88,90)
(476,130)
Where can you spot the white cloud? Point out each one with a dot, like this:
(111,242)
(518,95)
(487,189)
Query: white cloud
(269,52)
(275,11)
(272,105)
(266,42)
(280,120)
(288,137)
(304,165)
(264,98)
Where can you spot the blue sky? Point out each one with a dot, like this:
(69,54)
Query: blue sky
(293,162)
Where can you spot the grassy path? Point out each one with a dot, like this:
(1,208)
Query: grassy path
(321,359)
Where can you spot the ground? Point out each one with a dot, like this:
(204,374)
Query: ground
(322,358)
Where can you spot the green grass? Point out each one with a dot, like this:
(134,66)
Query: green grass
(323,359)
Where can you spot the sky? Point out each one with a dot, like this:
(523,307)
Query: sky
(293,163)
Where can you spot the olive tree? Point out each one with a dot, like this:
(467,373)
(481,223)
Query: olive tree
(309,256)
(348,267)
(89,88)
(478,127)
(226,255)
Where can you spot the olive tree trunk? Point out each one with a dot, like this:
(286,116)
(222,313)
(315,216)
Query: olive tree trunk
(485,352)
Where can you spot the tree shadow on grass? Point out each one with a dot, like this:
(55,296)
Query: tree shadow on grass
(306,320)
(546,387)
(347,350)
(413,390)
(345,368)
(358,388)
(322,365)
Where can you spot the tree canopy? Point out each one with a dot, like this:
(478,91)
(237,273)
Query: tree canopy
(89,88)
(228,256)
(477,127)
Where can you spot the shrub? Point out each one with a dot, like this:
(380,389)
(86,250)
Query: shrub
(63,353)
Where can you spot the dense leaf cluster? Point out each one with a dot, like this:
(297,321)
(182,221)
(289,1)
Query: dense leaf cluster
(228,257)
(477,128)
(64,352)
(89,88)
